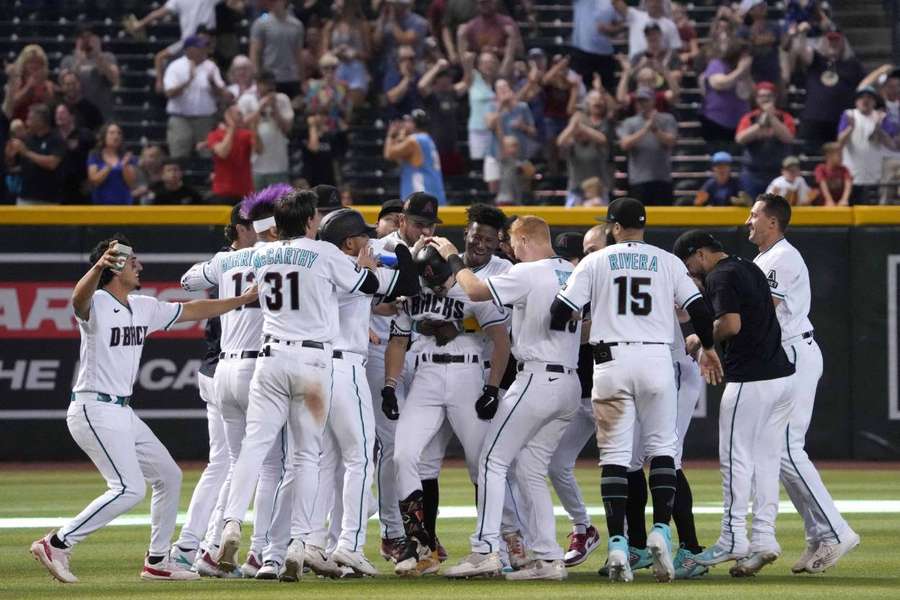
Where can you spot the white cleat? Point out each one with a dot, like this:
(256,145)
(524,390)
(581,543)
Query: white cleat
(56,560)
(356,561)
(206,565)
(753,564)
(293,562)
(269,571)
(251,565)
(802,562)
(166,570)
(476,565)
(184,558)
(619,567)
(515,545)
(231,541)
(660,550)
(319,562)
(828,554)
(551,570)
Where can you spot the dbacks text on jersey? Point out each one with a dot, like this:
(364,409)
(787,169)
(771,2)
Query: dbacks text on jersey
(127,336)
(444,307)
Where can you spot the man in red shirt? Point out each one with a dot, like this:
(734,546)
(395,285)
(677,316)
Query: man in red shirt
(488,31)
(232,143)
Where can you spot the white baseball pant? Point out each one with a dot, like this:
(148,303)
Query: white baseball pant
(821,518)
(581,429)
(127,454)
(291,385)
(439,392)
(532,417)
(752,420)
(635,388)
(206,492)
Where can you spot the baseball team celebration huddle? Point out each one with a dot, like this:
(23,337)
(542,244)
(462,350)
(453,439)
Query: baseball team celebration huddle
(344,357)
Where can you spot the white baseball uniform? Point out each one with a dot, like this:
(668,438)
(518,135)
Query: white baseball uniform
(631,287)
(231,272)
(298,281)
(447,381)
(102,423)
(535,411)
(788,279)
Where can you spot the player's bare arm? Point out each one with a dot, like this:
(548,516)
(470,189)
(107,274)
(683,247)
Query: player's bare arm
(499,335)
(196,310)
(87,285)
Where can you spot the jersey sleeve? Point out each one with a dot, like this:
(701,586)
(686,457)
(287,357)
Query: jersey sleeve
(387,280)
(508,288)
(723,293)
(577,290)
(201,276)
(161,315)
(488,313)
(346,275)
(686,290)
(780,274)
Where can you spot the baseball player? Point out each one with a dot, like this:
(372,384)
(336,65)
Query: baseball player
(756,403)
(239,234)
(448,379)
(292,379)
(584,538)
(828,535)
(231,271)
(529,421)
(351,427)
(631,286)
(113,325)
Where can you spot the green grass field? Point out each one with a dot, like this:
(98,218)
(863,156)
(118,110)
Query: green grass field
(108,563)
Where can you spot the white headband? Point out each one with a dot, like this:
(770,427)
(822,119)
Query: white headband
(263,224)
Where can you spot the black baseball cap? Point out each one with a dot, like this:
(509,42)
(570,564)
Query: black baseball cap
(422,206)
(693,240)
(627,212)
(569,245)
(340,224)
(391,206)
(329,199)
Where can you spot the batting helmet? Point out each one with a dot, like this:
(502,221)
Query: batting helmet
(431,266)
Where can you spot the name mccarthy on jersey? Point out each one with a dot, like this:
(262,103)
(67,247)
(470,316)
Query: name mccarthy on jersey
(632,261)
(285,255)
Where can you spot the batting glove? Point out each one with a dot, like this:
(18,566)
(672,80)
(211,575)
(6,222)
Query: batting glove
(487,403)
(389,403)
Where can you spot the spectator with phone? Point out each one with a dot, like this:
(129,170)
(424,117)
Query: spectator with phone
(649,137)
(586,143)
(274,117)
(97,71)
(232,144)
(28,83)
(767,135)
(111,172)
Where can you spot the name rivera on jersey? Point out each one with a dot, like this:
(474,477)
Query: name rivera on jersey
(128,336)
(633,261)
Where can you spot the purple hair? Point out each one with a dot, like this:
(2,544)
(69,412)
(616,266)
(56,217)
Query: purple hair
(264,197)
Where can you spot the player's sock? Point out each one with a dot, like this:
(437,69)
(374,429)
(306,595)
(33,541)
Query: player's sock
(635,508)
(614,489)
(662,487)
(683,514)
(155,560)
(412,512)
(57,543)
(430,500)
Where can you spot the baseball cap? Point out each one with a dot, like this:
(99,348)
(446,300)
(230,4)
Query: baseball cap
(569,245)
(645,93)
(422,206)
(391,206)
(627,212)
(693,240)
(340,224)
(765,85)
(329,198)
(195,41)
(866,89)
(790,161)
(722,158)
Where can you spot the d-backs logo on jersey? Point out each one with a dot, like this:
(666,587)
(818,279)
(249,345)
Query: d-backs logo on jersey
(772,278)
(128,336)
(442,307)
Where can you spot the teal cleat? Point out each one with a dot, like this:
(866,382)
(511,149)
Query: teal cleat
(686,567)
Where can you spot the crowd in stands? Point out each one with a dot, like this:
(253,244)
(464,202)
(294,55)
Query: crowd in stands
(267,91)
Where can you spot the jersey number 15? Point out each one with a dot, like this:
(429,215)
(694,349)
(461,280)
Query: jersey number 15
(641,301)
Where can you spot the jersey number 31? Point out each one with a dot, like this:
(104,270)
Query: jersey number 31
(641,302)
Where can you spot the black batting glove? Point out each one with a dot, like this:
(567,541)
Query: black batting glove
(487,403)
(389,403)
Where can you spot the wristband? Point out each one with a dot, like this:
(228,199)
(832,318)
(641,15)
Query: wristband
(390,382)
(456,264)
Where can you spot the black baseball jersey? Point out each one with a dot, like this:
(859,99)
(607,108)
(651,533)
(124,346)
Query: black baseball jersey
(738,286)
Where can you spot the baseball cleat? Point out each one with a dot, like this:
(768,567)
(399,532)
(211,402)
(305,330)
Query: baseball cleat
(552,570)
(319,562)
(206,565)
(268,571)
(56,560)
(515,545)
(428,564)
(392,548)
(476,564)
(638,558)
(581,546)
(618,563)
(231,541)
(753,564)
(802,562)
(293,562)
(686,567)
(251,565)
(828,553)
(166,570)
(409,558)
(184,558)
(659,544)
(356,561)
(716,554)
